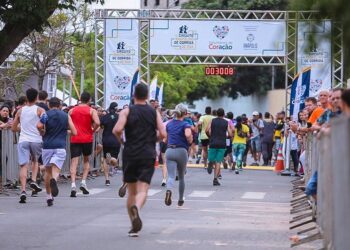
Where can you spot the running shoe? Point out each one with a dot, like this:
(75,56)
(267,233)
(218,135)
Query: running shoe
(220,176)
(237,172)
(84,188)
(35,187)
(23,197)
(176,178)
(54,187)
(163,182)
(122,190)
(135,219)
(132,233)
(73,192)
(108,183)
(168,198)
(180,203)
(34,193)
(49,202)
(216,182)
(210,167)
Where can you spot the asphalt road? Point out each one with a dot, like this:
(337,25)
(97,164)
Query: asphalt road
(248,211)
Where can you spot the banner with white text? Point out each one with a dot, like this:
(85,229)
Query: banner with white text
(318,55)
(121,59)
(217,38)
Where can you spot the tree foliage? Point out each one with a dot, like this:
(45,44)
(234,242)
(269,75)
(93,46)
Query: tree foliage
(337,10)
(20,18)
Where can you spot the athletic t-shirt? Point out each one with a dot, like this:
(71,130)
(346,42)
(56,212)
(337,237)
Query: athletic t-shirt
(205,120)
(218,133)
(176,133)
(237,138)
(82,120)
(108,122)
(258,124)
(56,126)
(140,133)
(315,115)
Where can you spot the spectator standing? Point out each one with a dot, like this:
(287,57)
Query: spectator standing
(257,126)
(267,138)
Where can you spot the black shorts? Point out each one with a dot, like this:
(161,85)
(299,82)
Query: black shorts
(228,150)
(76,149)
(162,147)
(113,151)
(205,143)
(138,170)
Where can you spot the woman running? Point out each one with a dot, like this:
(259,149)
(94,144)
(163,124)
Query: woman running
(179,138)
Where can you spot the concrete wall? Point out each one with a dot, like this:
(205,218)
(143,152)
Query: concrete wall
(273,102)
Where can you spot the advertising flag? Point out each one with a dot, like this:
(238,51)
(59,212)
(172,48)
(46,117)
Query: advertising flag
(160,97)
(300,91)
(121,59)
(153,88)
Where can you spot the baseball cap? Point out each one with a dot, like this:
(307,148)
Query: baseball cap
(255,113)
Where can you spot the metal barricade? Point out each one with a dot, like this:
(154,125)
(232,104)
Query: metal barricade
(9,162)
(329,155)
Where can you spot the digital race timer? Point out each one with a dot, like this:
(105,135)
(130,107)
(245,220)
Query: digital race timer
(219,71)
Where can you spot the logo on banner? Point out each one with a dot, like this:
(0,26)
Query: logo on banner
(186,39)
(123,54)
(221,32)
(314,57)
(122,81)
(315,85)
(299,95)
(250,44)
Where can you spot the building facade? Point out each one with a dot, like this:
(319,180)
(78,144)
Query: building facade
(162,4)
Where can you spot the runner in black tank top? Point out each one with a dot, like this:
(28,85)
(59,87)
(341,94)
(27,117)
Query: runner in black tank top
(218,130)
(141,123)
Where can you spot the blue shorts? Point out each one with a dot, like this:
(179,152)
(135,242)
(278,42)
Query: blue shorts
(256,144)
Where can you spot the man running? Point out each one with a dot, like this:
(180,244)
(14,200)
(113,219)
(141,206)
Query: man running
(257,126)
(111,145)
(203,124)
(30,141)
(141,123)
(53,126)
(217,130)
(86,121)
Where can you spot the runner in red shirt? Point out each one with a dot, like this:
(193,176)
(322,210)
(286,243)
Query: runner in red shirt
(86,121)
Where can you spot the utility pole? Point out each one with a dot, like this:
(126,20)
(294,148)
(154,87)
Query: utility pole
(82,72)
(273,78)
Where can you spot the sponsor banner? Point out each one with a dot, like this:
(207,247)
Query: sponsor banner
(121,59)
(217,38)
(317,55)
(299,92)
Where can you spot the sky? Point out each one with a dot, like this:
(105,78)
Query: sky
(118,4)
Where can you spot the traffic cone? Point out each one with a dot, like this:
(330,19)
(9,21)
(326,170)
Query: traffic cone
(279,167)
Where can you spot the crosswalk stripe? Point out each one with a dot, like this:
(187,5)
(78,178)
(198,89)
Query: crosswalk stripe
(253,195)
(201,194)
(152,192)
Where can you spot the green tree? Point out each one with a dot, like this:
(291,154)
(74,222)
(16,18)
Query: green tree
(186,83)
(337,10)
(19,18)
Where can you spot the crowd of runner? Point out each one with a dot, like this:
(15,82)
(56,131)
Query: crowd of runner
(139,136)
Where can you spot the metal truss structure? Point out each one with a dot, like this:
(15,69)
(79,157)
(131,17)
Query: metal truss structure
(289,61)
